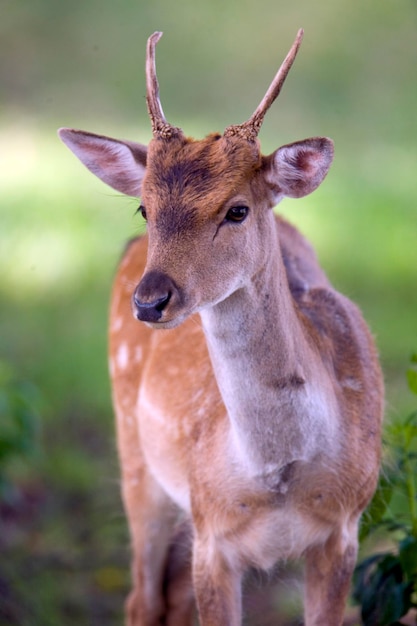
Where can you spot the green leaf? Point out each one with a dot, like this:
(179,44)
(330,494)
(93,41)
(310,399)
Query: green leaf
(377,507)
(411,419)
(408,556)
(412,380)
(393,526)
(381,589)
(413,357)
(361,576)
(19,418)
(387,598)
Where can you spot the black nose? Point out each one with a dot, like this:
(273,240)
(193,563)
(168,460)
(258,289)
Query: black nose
(152,295)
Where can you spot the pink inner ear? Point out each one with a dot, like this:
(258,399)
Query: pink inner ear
(300,167)
(307,160)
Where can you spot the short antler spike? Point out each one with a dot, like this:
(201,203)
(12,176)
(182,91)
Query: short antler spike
(250,129)
(160,127)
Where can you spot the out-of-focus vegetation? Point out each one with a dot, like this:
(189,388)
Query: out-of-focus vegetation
(80,64)
(385,583)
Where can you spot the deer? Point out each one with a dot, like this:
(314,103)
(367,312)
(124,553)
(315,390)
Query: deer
(247,391)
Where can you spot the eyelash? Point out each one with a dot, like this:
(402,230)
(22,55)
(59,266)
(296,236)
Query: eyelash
(141,209)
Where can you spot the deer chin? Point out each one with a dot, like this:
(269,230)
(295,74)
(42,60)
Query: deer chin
(168,319)
(172,319)
(166,324)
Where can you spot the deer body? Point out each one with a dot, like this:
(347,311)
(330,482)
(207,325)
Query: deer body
(249,427)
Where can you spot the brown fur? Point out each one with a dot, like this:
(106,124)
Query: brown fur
(249,428)
(330,496)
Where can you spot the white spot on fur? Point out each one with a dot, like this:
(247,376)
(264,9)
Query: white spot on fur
(117,324)
(122,357)
(352,383)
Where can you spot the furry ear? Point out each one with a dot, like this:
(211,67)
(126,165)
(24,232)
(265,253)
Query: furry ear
(120,164)
(297,169)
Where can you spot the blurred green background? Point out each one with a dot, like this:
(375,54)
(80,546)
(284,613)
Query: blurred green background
(62,533)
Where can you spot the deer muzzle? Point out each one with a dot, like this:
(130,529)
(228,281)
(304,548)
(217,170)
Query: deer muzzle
(155,293)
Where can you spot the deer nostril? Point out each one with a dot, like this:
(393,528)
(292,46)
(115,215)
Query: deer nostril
(163,301)
(152,295)
(158,304)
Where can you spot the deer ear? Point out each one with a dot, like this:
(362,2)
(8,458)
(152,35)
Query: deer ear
(120,164)
(297,169)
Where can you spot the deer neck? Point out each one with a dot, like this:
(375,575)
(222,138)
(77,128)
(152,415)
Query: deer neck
(276,392)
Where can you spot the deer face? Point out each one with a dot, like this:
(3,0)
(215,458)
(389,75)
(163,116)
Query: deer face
(207,203)
(203,207)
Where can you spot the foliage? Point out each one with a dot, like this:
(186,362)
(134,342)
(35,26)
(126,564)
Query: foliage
(19,424)
(56,517)
(385,584)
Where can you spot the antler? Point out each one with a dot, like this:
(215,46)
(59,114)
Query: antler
(160,127)
(250,129)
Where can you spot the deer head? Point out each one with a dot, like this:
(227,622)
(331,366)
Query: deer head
(207,202)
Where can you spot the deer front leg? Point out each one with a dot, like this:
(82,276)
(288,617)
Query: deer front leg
(217,585)
(328,573)
(148,514)
(151,518)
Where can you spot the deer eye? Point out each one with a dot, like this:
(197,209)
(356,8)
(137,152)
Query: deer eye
(236,214)
(142,211)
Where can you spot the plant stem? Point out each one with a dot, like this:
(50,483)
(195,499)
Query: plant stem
(411,492)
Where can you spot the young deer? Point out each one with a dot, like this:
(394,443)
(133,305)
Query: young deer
(249,429)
